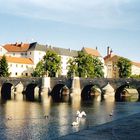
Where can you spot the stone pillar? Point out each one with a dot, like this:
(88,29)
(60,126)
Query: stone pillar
(46,84)
(76,88)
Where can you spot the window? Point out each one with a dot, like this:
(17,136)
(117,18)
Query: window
(16,65)
(16,73)
(21,65)
(26,74)
(30,52)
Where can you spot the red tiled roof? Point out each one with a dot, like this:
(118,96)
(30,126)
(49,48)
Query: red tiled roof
(21,47)
(136,64)
(92,51)
(18,60)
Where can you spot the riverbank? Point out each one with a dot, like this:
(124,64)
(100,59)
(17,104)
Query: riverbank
(127,128)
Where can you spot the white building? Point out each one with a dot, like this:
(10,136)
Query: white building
(19,67)
(65,54)
(135,69)
(22,58)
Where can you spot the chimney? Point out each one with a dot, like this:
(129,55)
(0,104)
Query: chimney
(96,48)
(111,51)
(108,50)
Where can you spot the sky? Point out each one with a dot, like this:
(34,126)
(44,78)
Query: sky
(74,24)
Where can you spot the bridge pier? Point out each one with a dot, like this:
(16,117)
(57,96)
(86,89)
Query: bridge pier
(76,88)
(45,84)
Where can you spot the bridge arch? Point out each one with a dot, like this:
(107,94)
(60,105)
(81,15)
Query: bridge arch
(59,90)
(6,90)
(90,90)
(30,91)
(123,91)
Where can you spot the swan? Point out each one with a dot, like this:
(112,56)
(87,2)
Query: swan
(111,113)
(81,114)
(9,118)
(76,122)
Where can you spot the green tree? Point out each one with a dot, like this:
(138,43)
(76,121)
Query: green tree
(124,66)
(98,67)
(72,68)
(52,63)
(84,65)
(39,70)
(4,67)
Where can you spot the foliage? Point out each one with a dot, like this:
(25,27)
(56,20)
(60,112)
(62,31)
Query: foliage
(52,63)
(135,76)
(72,68)
(84,65)
(39,70)
(124,66)
(4,67)
(98,68)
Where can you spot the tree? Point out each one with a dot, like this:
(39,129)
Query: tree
(52,63)
(85,65)
(39,70)
(72,68)
(4,67)
(124,66)
(98,67)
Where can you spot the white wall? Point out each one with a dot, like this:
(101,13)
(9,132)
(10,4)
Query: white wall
(36,56)
(17,69)
(135,70)
(17,54)
(64,60)
(2,51)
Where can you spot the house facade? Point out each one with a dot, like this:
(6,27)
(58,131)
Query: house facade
(111,65)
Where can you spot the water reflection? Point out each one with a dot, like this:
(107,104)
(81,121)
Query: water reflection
(28,121)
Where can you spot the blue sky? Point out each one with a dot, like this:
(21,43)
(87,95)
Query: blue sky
(74,24)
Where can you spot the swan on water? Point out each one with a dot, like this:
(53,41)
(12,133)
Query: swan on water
(76,122)
(111,113)
(81,114)
(9,118)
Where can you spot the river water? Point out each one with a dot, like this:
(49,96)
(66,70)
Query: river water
(22,119)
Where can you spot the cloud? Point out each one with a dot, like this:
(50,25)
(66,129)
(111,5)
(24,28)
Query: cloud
(93,13)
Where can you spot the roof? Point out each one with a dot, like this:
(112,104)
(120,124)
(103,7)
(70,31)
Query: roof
(91,51)
(63,51)
(17,47)
(37,47)
(111,57)
(136,64)
(18,60)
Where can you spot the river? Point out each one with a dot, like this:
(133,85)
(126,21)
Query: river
(22,119)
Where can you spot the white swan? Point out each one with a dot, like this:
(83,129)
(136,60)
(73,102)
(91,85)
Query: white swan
(76,122)
(9,118)
(111,113)
(81,114)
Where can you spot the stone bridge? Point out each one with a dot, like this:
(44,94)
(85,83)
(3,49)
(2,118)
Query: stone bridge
(55,86)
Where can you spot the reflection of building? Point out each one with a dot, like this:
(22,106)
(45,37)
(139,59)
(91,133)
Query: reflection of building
(111,65)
